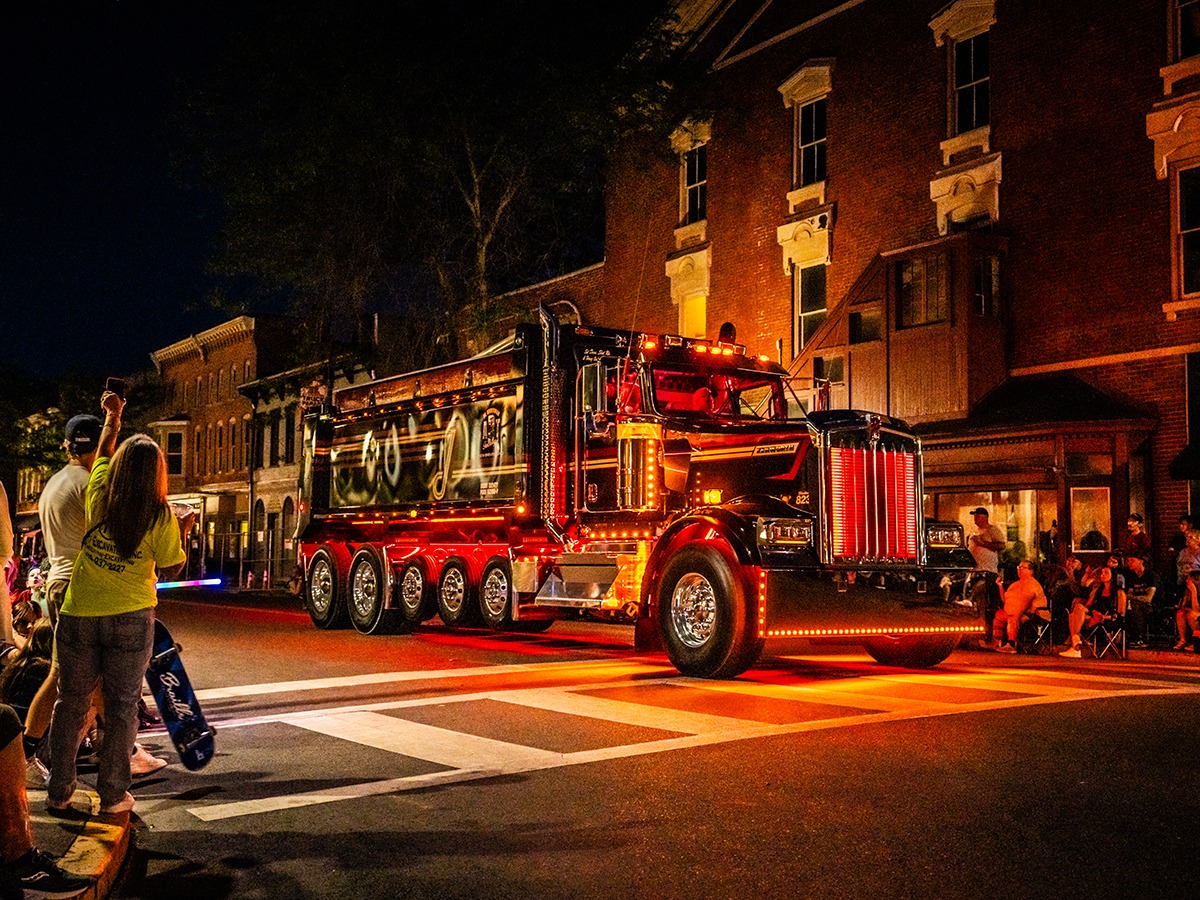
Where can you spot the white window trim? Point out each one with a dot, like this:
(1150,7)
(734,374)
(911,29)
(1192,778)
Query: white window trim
(811,82)
(963,20)
(977,137)
(685,138)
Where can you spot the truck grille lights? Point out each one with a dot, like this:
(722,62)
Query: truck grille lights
(873,503)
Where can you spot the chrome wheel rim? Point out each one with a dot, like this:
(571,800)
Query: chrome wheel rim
(453,590)
(412,588)
(693,610)
(320,587)
(364,590)
(495,594)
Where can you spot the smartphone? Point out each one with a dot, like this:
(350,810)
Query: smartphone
(117,386)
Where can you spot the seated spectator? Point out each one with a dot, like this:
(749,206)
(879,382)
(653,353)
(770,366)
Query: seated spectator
(1143,586)
(27,669)
(1063,589)
(22,866)
(1187,616)
(1106,599)
(1024,600)
(1186,562)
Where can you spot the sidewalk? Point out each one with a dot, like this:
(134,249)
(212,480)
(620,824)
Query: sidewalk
(86,844)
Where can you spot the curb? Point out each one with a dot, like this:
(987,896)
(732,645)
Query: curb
(88,844)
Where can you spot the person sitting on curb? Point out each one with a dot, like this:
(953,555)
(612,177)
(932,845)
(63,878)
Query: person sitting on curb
(24,869)
(1107,598)
(1187,616)
(1024,600)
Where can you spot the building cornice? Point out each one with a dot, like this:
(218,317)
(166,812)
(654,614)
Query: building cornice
(200,344)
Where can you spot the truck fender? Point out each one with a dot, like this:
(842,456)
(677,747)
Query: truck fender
(733,536)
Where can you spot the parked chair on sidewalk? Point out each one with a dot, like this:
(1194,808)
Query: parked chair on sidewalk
(1036,634)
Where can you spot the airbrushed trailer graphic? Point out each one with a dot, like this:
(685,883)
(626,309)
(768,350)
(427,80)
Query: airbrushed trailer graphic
(655,480)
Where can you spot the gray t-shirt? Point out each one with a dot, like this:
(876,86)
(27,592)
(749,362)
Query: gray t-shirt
(64,519)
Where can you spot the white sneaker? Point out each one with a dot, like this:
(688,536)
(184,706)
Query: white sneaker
(142,763)
(1072,653)
(125,804)
(36,773)
(1006,648)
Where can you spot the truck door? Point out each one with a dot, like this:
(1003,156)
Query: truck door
(600,402)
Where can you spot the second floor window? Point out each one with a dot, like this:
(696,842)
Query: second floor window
(808,304)
(695,183)
(174,452)
(972,85)
(986,287)
(810,143)
(1187,28)
(923,287)
(1189,230)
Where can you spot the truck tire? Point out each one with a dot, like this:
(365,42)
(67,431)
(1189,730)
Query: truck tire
(495,595)
(704,615)
(322,591)
(415,593)
(912,651)
(365,596)
(455,597)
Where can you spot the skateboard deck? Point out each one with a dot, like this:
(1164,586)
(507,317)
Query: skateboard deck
(181,713)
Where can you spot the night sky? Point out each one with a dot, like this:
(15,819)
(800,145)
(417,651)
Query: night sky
(102,252)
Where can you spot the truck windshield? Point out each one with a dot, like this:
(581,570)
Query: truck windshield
(731,394)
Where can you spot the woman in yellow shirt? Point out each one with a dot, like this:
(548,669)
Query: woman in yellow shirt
(106,626)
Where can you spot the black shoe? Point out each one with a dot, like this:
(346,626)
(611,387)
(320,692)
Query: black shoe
(40,877)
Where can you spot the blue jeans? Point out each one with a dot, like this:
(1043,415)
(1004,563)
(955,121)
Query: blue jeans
(117,650)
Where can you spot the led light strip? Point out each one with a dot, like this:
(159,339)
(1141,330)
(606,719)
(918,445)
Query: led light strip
(841,632)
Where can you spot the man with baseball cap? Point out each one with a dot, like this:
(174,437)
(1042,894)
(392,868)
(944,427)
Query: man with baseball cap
(985,545)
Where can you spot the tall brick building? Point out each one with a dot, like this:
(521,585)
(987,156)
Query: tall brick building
(207,434)
(981,217)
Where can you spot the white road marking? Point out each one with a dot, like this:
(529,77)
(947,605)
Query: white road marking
(437,745)
(346,681)
(362,723)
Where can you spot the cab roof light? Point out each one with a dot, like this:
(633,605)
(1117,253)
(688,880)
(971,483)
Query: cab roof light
(672,340)
(700,348)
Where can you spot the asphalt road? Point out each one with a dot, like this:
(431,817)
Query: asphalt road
(445,764)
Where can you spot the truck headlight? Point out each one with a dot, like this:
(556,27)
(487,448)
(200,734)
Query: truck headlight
(784,532)
(943,535)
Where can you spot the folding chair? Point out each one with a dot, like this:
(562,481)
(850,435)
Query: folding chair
(1035,634)
(1107,635)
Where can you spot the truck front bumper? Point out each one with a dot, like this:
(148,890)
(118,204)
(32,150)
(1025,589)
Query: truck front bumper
(831,603)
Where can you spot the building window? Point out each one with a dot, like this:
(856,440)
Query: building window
(273,447)
(923,290)
(808,304)
(1187,28)
(1189,230)
(174,452)
(866,326)
(246,372)
(234,456)
(289,435)
(810,143)
(972,100)
(220,448)
(198,450)
(986,288)
(1091,519)
(247,441)
(695,184)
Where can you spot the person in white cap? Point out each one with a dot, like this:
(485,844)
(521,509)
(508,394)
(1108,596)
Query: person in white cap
(985,545)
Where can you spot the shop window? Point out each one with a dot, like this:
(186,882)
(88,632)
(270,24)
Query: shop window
(808,304)
(1091,518)
(1028,518)
(829,368)
(289,435)
(923,287)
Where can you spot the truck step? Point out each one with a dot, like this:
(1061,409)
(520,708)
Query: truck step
(579,581)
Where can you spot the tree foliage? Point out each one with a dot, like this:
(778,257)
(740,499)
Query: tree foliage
(418,158)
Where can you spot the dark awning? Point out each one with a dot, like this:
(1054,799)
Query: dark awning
(1186,466)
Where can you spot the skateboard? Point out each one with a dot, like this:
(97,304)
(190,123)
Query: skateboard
(181,713)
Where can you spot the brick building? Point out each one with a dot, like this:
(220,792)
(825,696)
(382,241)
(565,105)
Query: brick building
(206,431)
(981,217)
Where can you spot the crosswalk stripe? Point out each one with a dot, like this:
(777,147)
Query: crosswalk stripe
(622,711)
(437,745)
